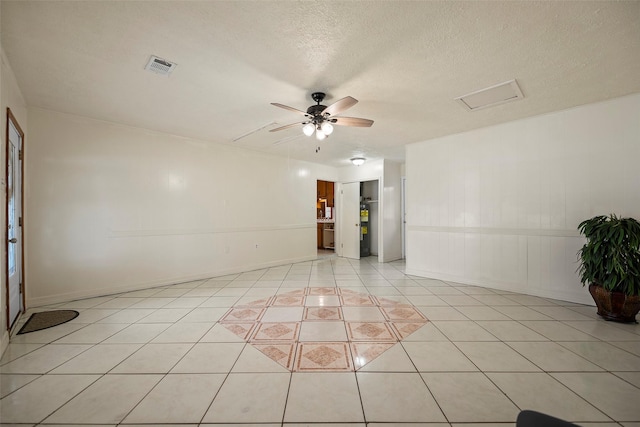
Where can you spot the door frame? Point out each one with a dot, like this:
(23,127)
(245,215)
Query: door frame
(11,119)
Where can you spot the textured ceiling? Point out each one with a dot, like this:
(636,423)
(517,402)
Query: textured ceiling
(404,61)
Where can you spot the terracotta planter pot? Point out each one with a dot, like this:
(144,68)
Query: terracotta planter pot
(615,306)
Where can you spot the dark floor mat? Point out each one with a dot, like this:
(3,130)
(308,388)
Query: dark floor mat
(47,319)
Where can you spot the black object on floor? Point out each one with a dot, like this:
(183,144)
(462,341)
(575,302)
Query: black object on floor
(536,419)
(47,319)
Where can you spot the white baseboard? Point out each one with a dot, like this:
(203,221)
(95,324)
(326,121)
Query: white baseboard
(97,292)
(579,296)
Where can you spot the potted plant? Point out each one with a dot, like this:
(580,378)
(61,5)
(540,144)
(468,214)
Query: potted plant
(610,265)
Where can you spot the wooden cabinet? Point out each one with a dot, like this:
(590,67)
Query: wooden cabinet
(322,189)
(325,191)
(320,230)
(330,201)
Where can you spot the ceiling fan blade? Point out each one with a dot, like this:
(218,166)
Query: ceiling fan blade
(286,107)
(351,121)
(284,127)
(340,106)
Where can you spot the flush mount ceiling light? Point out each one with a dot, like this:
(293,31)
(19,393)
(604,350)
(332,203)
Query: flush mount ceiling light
(494,95)
(320,118)
(358,161)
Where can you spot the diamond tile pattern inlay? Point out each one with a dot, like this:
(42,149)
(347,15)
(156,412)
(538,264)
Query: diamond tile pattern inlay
(279,340)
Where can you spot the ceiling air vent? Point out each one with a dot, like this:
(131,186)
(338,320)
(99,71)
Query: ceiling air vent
(160,66)
(494,95)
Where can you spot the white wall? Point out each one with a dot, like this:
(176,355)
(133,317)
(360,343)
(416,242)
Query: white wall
(11,97)
(499,206)
(112,208)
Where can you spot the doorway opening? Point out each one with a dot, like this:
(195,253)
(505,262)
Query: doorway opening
(325,218)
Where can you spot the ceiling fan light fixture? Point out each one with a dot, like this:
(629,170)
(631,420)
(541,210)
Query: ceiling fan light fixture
(358,161)
(320,135)
(308,129)
(327,128)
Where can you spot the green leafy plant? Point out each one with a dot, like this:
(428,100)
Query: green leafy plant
(611,256)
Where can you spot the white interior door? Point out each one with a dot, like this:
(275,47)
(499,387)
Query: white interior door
(404,218)
(14,220)
(350,220)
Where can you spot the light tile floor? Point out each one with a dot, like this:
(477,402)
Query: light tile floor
(333,341)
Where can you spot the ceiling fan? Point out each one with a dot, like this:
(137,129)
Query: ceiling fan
(320,118)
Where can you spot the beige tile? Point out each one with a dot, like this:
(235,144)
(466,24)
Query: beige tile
(326,397)
(426,332)
(14,351)
(604,330)
(437,357)
(481,312)
(561,313)
(34,402)
(46,336)
(229,332)
(630,346)
(220,301)
(510,330)
(605,355)
(92,315)
(152,302)
(520,312)
(558,331)
(99,359)
(470,397)
(283,314)
(165,315)
(178,398)
(441,313)
(153,359)
(363,314)
(204,314)
(263,399)
(463,331)
(495,357)
(128,315)
(281,353)
(541,392)
(322,301)
(209,358)
(140,333)
(323,331)
(92,334)
(108,400)
(12,382)
(187,302)
(183,333)
(605,391)
(552,357)
(381,357)
(630,377)
(44,359)
(252,359)
(397,397)
(460,300)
